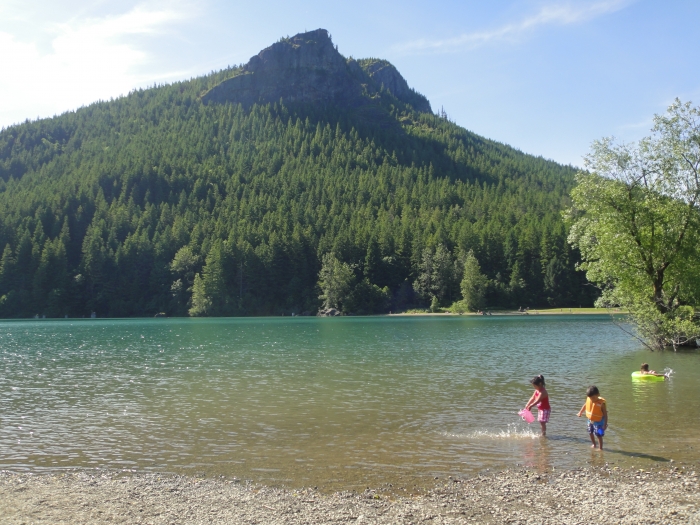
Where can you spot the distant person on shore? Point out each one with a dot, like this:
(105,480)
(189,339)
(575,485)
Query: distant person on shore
(541,399)
(597,414)
(644,370)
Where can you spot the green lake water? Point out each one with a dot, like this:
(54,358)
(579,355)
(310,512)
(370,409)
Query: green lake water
(333,403)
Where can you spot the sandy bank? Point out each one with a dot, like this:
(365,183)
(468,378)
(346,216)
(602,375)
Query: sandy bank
(588,496)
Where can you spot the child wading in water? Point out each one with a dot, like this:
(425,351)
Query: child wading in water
(541,399)
(597,414)
(644,370)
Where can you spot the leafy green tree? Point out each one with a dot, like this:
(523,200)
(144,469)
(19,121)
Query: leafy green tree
(434,305)
(366,298)
(336,281)
(473,285)
(209,291)
(183,267)
(636,221)
(201,301)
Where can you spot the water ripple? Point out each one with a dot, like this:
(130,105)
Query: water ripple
(334,402)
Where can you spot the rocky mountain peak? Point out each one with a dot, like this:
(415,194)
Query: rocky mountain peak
(308,68)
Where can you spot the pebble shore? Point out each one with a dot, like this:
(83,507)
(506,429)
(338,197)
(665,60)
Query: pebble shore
(586,496)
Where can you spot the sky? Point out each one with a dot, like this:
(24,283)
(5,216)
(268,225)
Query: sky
(545,76)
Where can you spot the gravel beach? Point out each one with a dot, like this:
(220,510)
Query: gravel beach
(585,496)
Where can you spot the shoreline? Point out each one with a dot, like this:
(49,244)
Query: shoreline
(589,495)
(544,311)
(553,311)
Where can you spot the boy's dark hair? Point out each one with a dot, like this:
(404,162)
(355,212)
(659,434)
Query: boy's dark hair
(645,367)
(592,391)
(537,380)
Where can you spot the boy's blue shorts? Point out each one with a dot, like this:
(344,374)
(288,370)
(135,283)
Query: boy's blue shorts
(596,427)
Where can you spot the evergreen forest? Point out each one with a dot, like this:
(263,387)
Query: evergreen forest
(156,202)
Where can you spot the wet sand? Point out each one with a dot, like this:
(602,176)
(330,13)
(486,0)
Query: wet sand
(586,496)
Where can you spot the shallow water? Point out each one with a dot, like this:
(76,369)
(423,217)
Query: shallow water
(334,403)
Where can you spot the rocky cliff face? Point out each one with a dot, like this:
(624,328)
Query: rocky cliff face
(385,75)
(309,68)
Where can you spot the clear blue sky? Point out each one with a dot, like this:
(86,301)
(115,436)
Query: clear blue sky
(547,77)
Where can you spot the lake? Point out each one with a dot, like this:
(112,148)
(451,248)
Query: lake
(334,402)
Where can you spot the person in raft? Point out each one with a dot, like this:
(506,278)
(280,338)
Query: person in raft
(541,399)
(644,370)
(597,414)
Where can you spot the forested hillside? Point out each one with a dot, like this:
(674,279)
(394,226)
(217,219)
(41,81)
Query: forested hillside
(158,202)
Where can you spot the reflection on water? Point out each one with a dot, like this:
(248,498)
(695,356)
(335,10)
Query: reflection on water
(333,402)
(537,455)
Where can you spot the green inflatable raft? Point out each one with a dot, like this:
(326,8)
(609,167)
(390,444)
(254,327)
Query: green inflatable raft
(638,376)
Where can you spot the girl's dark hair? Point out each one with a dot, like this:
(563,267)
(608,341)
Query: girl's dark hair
(645,366)
(592,391)
(538,380)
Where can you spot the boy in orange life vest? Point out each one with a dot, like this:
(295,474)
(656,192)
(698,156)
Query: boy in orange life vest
(597,414)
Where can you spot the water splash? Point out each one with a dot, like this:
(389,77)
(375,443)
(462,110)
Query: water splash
(512,431)
(668,372)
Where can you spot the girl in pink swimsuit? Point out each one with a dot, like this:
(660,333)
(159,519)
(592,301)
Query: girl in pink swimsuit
(541,399)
